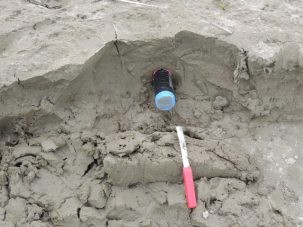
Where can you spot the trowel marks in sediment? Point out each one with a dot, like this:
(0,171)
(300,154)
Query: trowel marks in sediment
(93,151)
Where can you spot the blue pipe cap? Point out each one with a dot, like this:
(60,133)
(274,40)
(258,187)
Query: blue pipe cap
(165,100)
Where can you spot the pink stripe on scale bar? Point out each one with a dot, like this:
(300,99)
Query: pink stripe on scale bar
(189,187)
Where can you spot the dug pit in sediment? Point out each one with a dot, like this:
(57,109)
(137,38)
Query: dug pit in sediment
(86,147)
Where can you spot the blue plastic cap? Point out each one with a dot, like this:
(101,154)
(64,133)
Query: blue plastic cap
(165,100)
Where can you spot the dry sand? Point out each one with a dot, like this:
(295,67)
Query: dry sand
(82,144)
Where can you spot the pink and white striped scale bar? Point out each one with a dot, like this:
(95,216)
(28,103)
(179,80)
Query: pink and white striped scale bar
(188,179)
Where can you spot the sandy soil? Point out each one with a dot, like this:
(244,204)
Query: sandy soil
(81,143)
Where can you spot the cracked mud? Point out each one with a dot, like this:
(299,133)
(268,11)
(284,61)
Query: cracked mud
(88,148)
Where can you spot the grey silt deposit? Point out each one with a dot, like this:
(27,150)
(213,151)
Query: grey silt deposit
(88,148)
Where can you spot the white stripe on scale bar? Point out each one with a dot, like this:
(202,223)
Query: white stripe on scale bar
(182,146)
